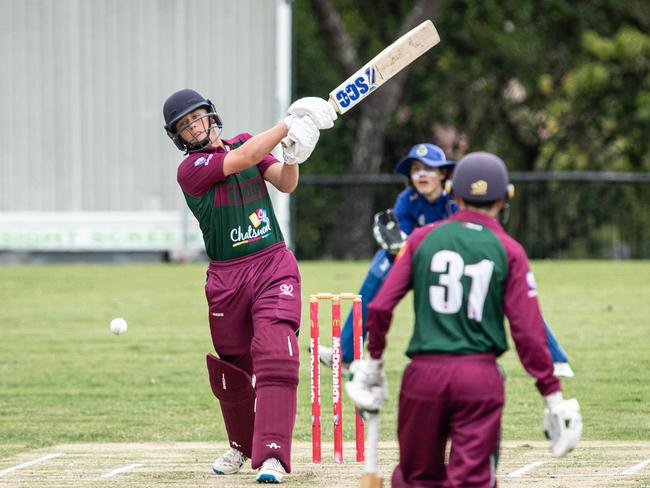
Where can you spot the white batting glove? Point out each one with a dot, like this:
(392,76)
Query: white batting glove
(317,109)
(288,120)
(300,141)
(562,423)
(367,385)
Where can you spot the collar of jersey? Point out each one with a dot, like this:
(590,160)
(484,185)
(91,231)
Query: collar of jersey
(477,218)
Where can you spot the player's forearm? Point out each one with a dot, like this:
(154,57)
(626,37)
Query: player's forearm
(380,309)
(287,177)
(526,324)
(255,149)
(378,325)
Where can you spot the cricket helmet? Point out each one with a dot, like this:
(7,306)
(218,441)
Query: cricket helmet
(481,177)
(429,154)
(177,106)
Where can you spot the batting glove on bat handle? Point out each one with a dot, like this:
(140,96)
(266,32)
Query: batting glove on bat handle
(300,141)
(318,110)
(288,120)
(367,385)
(562,423)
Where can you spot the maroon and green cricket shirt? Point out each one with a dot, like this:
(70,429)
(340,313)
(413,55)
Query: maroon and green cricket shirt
(234,212)
(466,274)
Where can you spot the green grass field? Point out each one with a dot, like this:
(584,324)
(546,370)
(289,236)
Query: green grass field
(64,378)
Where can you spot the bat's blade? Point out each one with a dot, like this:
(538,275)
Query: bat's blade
(371,478)
(371,481)
(384,66)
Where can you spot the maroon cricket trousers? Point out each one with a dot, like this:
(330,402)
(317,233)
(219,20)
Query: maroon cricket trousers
(255,308)
(455,397)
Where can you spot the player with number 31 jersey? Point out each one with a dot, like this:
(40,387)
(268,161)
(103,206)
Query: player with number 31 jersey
(466,274)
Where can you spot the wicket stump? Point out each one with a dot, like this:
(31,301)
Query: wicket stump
(337,401)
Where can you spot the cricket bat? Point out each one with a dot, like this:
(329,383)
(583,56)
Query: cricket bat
(371,478)
(384,66)
(380,69)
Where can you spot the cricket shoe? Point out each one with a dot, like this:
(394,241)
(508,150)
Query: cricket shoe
(229,463)
(563,370)
(271,471)
(325,358)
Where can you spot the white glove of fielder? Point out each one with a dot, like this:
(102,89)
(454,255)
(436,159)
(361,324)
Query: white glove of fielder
(562,423)
(300,141)
(317,109)
(367,385)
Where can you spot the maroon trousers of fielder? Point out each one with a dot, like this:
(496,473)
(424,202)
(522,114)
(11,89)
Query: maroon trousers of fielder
(456,397)
(255,307)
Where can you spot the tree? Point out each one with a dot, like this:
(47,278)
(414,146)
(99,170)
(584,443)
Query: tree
(372,117)
(546,84)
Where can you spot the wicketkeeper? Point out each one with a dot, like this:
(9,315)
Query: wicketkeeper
(466,274)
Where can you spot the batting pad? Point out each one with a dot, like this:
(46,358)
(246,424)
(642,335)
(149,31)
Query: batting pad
(232,387)
(275,356)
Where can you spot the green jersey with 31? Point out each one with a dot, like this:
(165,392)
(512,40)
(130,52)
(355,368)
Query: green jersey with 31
(458,279)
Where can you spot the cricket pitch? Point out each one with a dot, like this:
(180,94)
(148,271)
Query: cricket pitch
(139,465)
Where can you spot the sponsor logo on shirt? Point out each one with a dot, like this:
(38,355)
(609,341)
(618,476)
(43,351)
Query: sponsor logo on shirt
(259,228)
(532,286)
(273,445)
(258,217)
(202,161)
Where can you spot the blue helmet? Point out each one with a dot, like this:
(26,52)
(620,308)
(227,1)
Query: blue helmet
(429,154)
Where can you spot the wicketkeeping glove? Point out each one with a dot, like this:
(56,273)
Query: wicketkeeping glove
(387,232)
(318,110)
(300,141)
(562,423)
(367,385)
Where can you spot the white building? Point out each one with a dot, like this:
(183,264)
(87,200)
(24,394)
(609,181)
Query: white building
(85,164)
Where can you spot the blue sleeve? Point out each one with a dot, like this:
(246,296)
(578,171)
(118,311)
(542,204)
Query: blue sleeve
(402,212)
(452,208)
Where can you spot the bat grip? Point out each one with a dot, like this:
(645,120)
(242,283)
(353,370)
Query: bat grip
(334,105)
(372,443)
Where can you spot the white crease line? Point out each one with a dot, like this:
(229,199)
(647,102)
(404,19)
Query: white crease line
(123,469)
(521,471)
(30,463)
(637,467)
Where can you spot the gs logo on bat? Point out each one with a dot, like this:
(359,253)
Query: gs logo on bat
(357,89)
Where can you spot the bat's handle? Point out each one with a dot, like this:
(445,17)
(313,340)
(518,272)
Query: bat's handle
(372,443)
(334,105)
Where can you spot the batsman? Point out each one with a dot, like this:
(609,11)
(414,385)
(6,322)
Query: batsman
(467,274)
(253,282)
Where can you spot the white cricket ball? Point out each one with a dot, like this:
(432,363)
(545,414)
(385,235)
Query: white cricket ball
(118,326)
